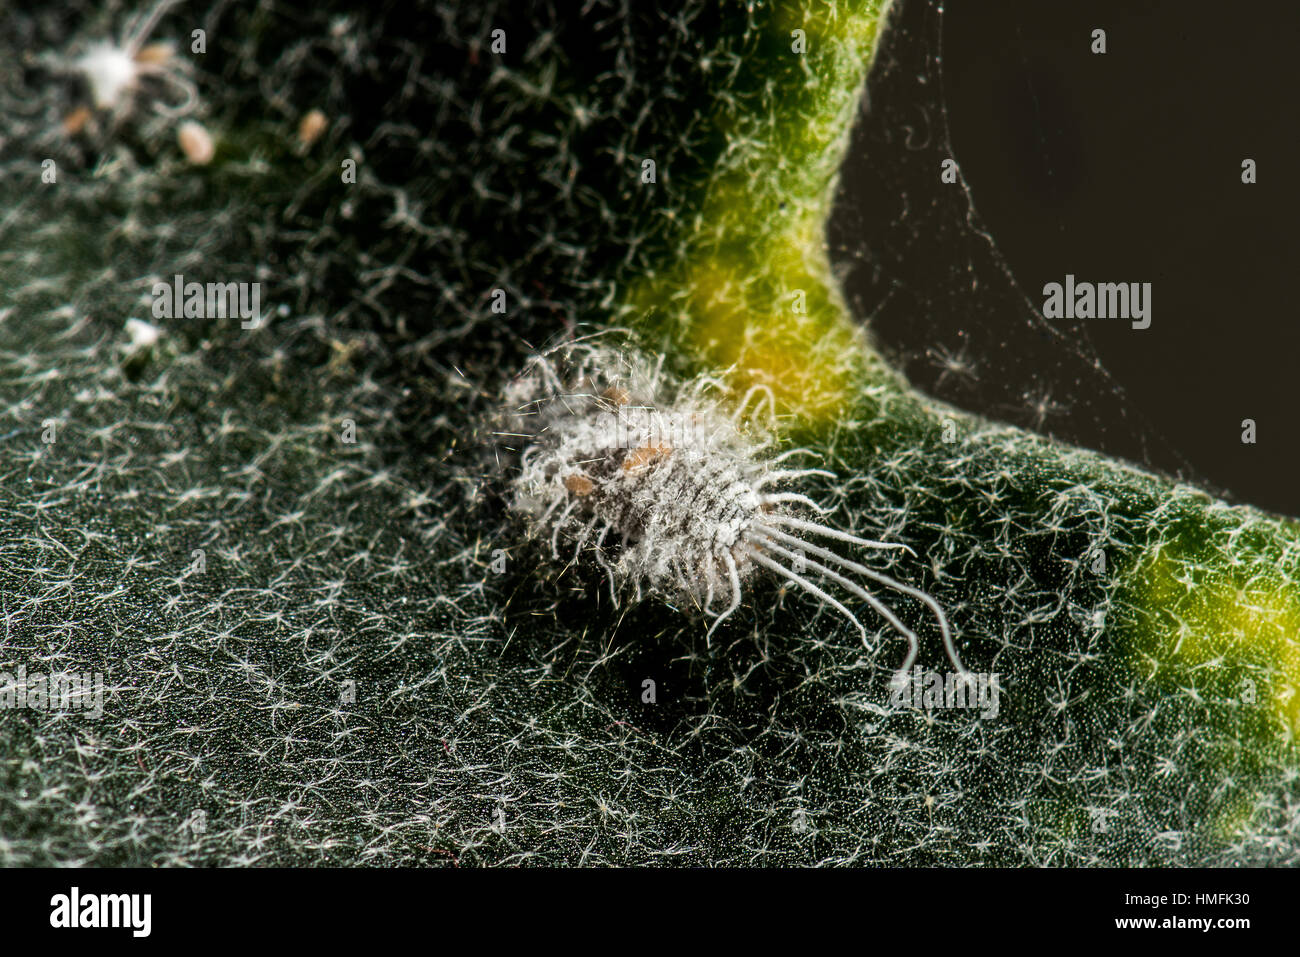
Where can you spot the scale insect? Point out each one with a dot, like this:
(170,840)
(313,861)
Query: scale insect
(672,488)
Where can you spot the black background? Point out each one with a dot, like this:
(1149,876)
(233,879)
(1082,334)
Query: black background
(1119,167)
(270,907)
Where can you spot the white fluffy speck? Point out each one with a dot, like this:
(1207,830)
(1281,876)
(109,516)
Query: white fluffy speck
(110,72)
(142,334)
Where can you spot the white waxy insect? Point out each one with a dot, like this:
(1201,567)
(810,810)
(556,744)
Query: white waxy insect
(114,70)
(670,491)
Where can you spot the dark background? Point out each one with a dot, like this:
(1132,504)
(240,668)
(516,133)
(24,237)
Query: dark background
(1120,167)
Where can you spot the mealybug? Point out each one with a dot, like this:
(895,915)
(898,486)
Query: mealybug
(671,488)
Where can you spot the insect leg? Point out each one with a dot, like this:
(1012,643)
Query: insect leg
(794,497)
(807,586)
(948,645)
(914,643)
(734,574)
(833,533)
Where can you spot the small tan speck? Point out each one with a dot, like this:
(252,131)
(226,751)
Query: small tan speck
(75,121)
(579,484)
(644,456)
(312,125)
(196,143)
(155,54)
